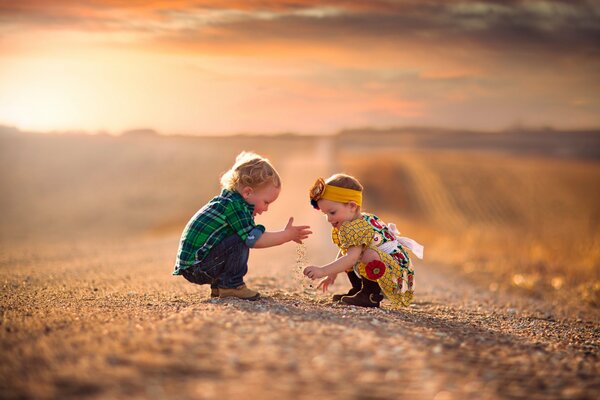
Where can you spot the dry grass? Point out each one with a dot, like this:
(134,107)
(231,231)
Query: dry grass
(525,222)
(66,187)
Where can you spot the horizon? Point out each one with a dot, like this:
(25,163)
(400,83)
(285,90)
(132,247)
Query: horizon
(149,132)
(225,68)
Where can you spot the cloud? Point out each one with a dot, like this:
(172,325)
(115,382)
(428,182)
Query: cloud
(343,62)
(541,25)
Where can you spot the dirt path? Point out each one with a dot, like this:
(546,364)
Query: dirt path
(106,320)
(123,328)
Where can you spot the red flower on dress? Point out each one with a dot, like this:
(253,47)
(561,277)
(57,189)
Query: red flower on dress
(389,236)
(377,239)
(398,256)
(399,282)
(375,223)
(375,270)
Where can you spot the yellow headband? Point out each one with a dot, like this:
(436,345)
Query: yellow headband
(321,190)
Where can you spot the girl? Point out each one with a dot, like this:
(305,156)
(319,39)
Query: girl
(371,253)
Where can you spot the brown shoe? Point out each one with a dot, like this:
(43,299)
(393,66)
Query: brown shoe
(362,299)
(241,292)
(369,296)
(214,292)
(356,283)
(351,292)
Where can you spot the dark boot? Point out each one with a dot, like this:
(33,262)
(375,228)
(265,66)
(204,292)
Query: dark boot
(214,288)
(368,296)
(356,283)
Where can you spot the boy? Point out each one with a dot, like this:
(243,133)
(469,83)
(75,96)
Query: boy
(216,242)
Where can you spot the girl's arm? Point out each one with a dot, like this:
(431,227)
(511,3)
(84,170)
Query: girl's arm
(325,283)
(290,232)
(330,280)
(337,266)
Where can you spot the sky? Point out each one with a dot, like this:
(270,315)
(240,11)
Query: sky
(304,66)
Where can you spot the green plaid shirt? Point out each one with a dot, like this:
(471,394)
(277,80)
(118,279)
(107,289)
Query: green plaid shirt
(223,216)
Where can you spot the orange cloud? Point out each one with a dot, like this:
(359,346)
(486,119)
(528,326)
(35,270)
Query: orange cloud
(481,62)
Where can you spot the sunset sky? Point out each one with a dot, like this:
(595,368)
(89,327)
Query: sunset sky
(209,67)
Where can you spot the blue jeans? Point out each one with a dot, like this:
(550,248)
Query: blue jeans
(224,266)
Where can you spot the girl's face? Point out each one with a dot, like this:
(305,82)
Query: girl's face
(336,212)
(260,197)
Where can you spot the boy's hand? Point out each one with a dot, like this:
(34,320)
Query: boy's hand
(313,272)
(325,283)
(297,233)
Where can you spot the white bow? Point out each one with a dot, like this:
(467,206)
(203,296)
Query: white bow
(409,243)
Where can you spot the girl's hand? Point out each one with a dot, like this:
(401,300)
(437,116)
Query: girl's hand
(297,233)
(314,272)
(325,283)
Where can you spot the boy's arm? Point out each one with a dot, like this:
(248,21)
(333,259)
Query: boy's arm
(270,239)
(337,266)
(290,232)
(241,221)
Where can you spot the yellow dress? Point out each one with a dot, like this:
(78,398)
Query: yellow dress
(393,268)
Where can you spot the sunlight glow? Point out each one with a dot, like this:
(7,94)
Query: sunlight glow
(304,66)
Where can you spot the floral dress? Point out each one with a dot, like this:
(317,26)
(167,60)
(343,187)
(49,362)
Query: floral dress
(393,271)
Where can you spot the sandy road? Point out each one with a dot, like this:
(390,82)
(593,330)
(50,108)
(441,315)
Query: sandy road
(106,320)
(125,329)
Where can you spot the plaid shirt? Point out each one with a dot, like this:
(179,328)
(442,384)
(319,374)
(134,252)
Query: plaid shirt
(223,216)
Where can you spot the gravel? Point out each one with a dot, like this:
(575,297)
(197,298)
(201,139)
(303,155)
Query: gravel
(89,320)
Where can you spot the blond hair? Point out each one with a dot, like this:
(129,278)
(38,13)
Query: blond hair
(252,170)
(344,181)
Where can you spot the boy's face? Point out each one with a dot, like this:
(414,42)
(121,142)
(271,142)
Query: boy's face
(260,197)
(336,212)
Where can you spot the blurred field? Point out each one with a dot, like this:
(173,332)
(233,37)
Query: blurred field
(517,210)
(71,187)
(508,210)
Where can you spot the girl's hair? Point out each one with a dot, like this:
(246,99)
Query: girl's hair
(252,170)
(344,181)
